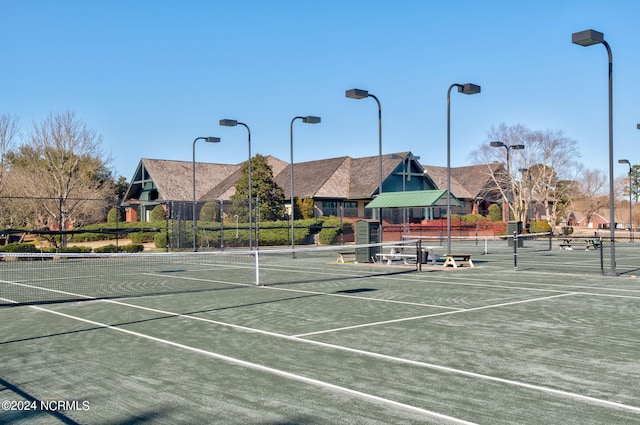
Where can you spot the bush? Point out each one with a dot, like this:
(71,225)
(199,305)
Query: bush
(122,248)
(160,240)
(539,227)
(134,247)
(158,213)
(495,212)
(74,249)
(210,212)
(331,231)
(142,237)
(19,247)
(113,214)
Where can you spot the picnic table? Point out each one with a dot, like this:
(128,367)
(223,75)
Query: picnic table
(568,244)
(458,260)
(405,254)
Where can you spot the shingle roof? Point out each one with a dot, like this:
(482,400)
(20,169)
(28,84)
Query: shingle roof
(174,179)
(342,177)
(467,182)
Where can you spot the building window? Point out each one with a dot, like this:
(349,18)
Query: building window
(350,209)
(329,208)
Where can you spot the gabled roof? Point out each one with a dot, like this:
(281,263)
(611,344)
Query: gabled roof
(468,182)
(411,199)
(342,177)
(325,177)
(226,187)
(174,179)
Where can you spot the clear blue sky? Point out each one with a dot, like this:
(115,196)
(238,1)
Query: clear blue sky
(150,76)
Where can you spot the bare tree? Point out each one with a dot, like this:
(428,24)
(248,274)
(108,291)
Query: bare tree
(64,172)
(537,172)
(590,196)
(8,133)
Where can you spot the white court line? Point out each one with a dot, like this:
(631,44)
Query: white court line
(405,319)
(539,388)
(266,369)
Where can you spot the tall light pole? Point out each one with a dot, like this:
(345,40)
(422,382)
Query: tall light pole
(466,89)
(233,123)
(309,120)
(193,180)
(589,38)
(626,161)
(498,144)
(361,94)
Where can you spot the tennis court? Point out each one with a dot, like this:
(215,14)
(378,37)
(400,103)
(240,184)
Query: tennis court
(191,339)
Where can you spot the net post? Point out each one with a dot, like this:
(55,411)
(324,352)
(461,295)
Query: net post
(601,256)
(419,255)
(515,251)
(257,267)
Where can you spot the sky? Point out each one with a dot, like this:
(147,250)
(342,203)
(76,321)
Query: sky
(150,76)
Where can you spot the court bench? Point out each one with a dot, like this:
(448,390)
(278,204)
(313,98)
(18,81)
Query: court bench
(458,260)
(346,253)
(567,244)
(398,253)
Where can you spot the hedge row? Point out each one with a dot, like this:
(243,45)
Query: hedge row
(31,248)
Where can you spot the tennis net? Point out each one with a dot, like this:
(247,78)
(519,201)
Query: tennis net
(56,278)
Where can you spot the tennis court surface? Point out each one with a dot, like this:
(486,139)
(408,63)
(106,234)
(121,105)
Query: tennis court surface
(186,339)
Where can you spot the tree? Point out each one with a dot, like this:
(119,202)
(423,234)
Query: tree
(63,171)
(9,206)
(589,192)
(548,158)
(268,197)
(8,132)
(304,208)
(634,175)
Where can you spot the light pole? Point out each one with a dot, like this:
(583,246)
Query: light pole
(233,123)
(361,94)
(309,120)
(466,89)
(498,144)
(193,181)
(589,38)
(626,161)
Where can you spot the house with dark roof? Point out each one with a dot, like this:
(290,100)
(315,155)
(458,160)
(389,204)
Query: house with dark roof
(341,186)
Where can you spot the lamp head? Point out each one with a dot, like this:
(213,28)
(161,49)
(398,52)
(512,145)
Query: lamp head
(212,139)
(496,144)
(228,123)
(469,89)
(311,119)
(516,147)
(624,161)
(356,94)
(587,37)
(638,126)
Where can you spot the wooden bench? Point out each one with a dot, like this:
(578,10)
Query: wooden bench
(566,245)
(342,254)
(458,260)
(593,244)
